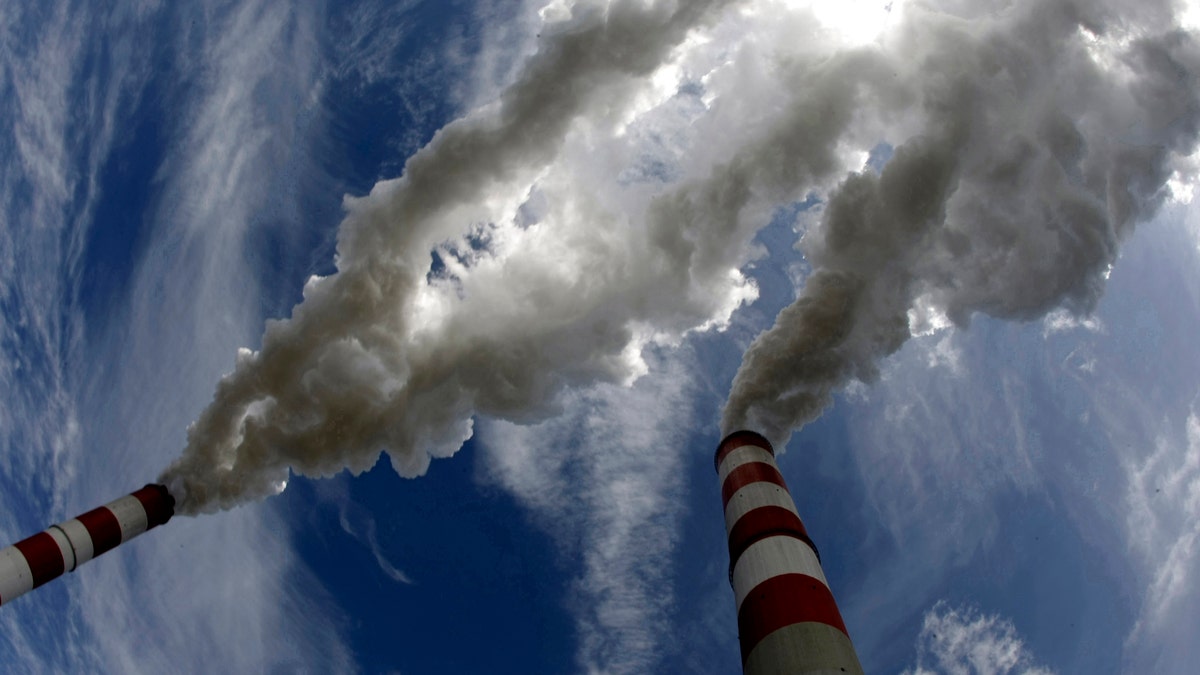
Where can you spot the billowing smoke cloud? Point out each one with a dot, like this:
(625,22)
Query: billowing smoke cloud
(379,355)
(609,199)
(1045,132)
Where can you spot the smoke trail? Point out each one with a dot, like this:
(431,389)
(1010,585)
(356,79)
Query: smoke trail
(1049,130)
(369,360)
(1029,140)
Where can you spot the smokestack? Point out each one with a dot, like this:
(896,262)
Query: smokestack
(788,621)
(61,548)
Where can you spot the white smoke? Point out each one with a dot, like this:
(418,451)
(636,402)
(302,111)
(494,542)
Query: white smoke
(610,196)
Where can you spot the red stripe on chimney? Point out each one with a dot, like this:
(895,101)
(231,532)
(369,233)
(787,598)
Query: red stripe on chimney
(159,504)
(44,557)
(104,528)
(763,522)
(751,472)
(736,440)
(782,601)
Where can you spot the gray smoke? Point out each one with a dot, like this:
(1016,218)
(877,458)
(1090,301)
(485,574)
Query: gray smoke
(1046,132)
(609,200)
(353,371)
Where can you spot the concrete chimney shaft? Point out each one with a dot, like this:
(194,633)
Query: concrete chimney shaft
(788,622)
(61,548)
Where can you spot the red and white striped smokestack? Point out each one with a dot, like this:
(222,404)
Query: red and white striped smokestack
(47,555)
(788,621)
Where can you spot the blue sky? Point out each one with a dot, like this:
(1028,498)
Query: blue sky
(1004,497)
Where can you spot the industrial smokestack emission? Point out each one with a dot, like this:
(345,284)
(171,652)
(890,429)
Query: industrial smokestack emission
(788,621)
(64,547)
(527,250)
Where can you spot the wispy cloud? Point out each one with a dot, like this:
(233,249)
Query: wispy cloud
(1163,523)
(47,189)
(605,480)
(358,522)
(230,585)
(1083,427)
(38,178)
(963,641)
(1061,321)
(85,420)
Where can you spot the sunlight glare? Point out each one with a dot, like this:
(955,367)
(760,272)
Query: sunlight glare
(856,22)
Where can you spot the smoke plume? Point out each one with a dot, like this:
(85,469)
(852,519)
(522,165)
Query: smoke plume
(1045,133)
(609,199)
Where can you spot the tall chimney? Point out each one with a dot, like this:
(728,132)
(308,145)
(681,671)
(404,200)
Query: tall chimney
(47,555)
(788,622)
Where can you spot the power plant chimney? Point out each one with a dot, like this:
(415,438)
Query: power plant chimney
(788,622)
(32,562)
